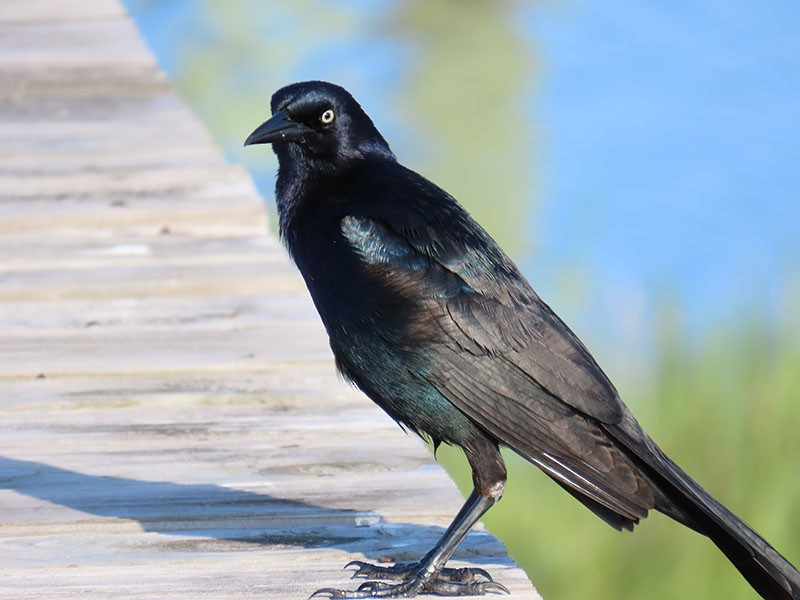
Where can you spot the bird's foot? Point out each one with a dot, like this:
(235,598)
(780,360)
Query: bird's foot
(405,571)
(447,582)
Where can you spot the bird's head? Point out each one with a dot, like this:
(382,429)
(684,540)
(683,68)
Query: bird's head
(319,124)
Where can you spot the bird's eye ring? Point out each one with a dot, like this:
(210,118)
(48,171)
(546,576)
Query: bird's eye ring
(327,117)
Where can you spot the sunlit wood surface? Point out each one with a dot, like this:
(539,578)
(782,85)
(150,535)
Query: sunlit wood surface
(171,425)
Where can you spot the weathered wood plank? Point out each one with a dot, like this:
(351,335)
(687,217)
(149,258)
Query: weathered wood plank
(171,425)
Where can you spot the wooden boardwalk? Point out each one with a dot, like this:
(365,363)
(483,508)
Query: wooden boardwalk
(171,425)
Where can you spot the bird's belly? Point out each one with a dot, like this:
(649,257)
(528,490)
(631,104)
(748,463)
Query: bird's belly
(401,388)
(368,327)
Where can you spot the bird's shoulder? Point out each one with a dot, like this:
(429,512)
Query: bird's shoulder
(398,217)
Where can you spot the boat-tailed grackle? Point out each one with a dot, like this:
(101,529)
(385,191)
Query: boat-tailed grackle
(429,317)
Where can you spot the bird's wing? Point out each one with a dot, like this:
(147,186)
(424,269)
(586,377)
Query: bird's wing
(489,307)
(504,358)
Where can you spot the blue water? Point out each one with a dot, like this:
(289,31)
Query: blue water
(674,143)
(667,148)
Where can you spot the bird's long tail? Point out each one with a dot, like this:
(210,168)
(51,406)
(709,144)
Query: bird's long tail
(770,574)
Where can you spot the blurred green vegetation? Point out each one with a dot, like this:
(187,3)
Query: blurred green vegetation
(726,409)
(725,406)
(465,93)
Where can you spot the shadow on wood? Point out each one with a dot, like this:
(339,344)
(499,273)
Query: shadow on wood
(208,511)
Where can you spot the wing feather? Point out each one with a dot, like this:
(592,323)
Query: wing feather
(506,360)
(492,307)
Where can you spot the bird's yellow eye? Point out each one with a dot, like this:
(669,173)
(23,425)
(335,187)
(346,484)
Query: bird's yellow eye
(327,117)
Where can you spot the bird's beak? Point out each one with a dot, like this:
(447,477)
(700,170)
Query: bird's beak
(279,128)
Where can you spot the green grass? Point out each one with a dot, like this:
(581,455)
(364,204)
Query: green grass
(727,410)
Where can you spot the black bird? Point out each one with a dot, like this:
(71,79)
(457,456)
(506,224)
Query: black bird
(429,317)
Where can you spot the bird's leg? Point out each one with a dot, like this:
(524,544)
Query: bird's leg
(429,574)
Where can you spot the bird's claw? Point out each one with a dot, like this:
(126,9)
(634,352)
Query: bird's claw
(368,589)
(396,572)
(363,569)
(373,586)
(403,571)
(466,581)
(469,574)
(476,588)
(330,593)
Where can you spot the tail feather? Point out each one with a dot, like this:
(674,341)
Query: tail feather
(770,574)
(681,498)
